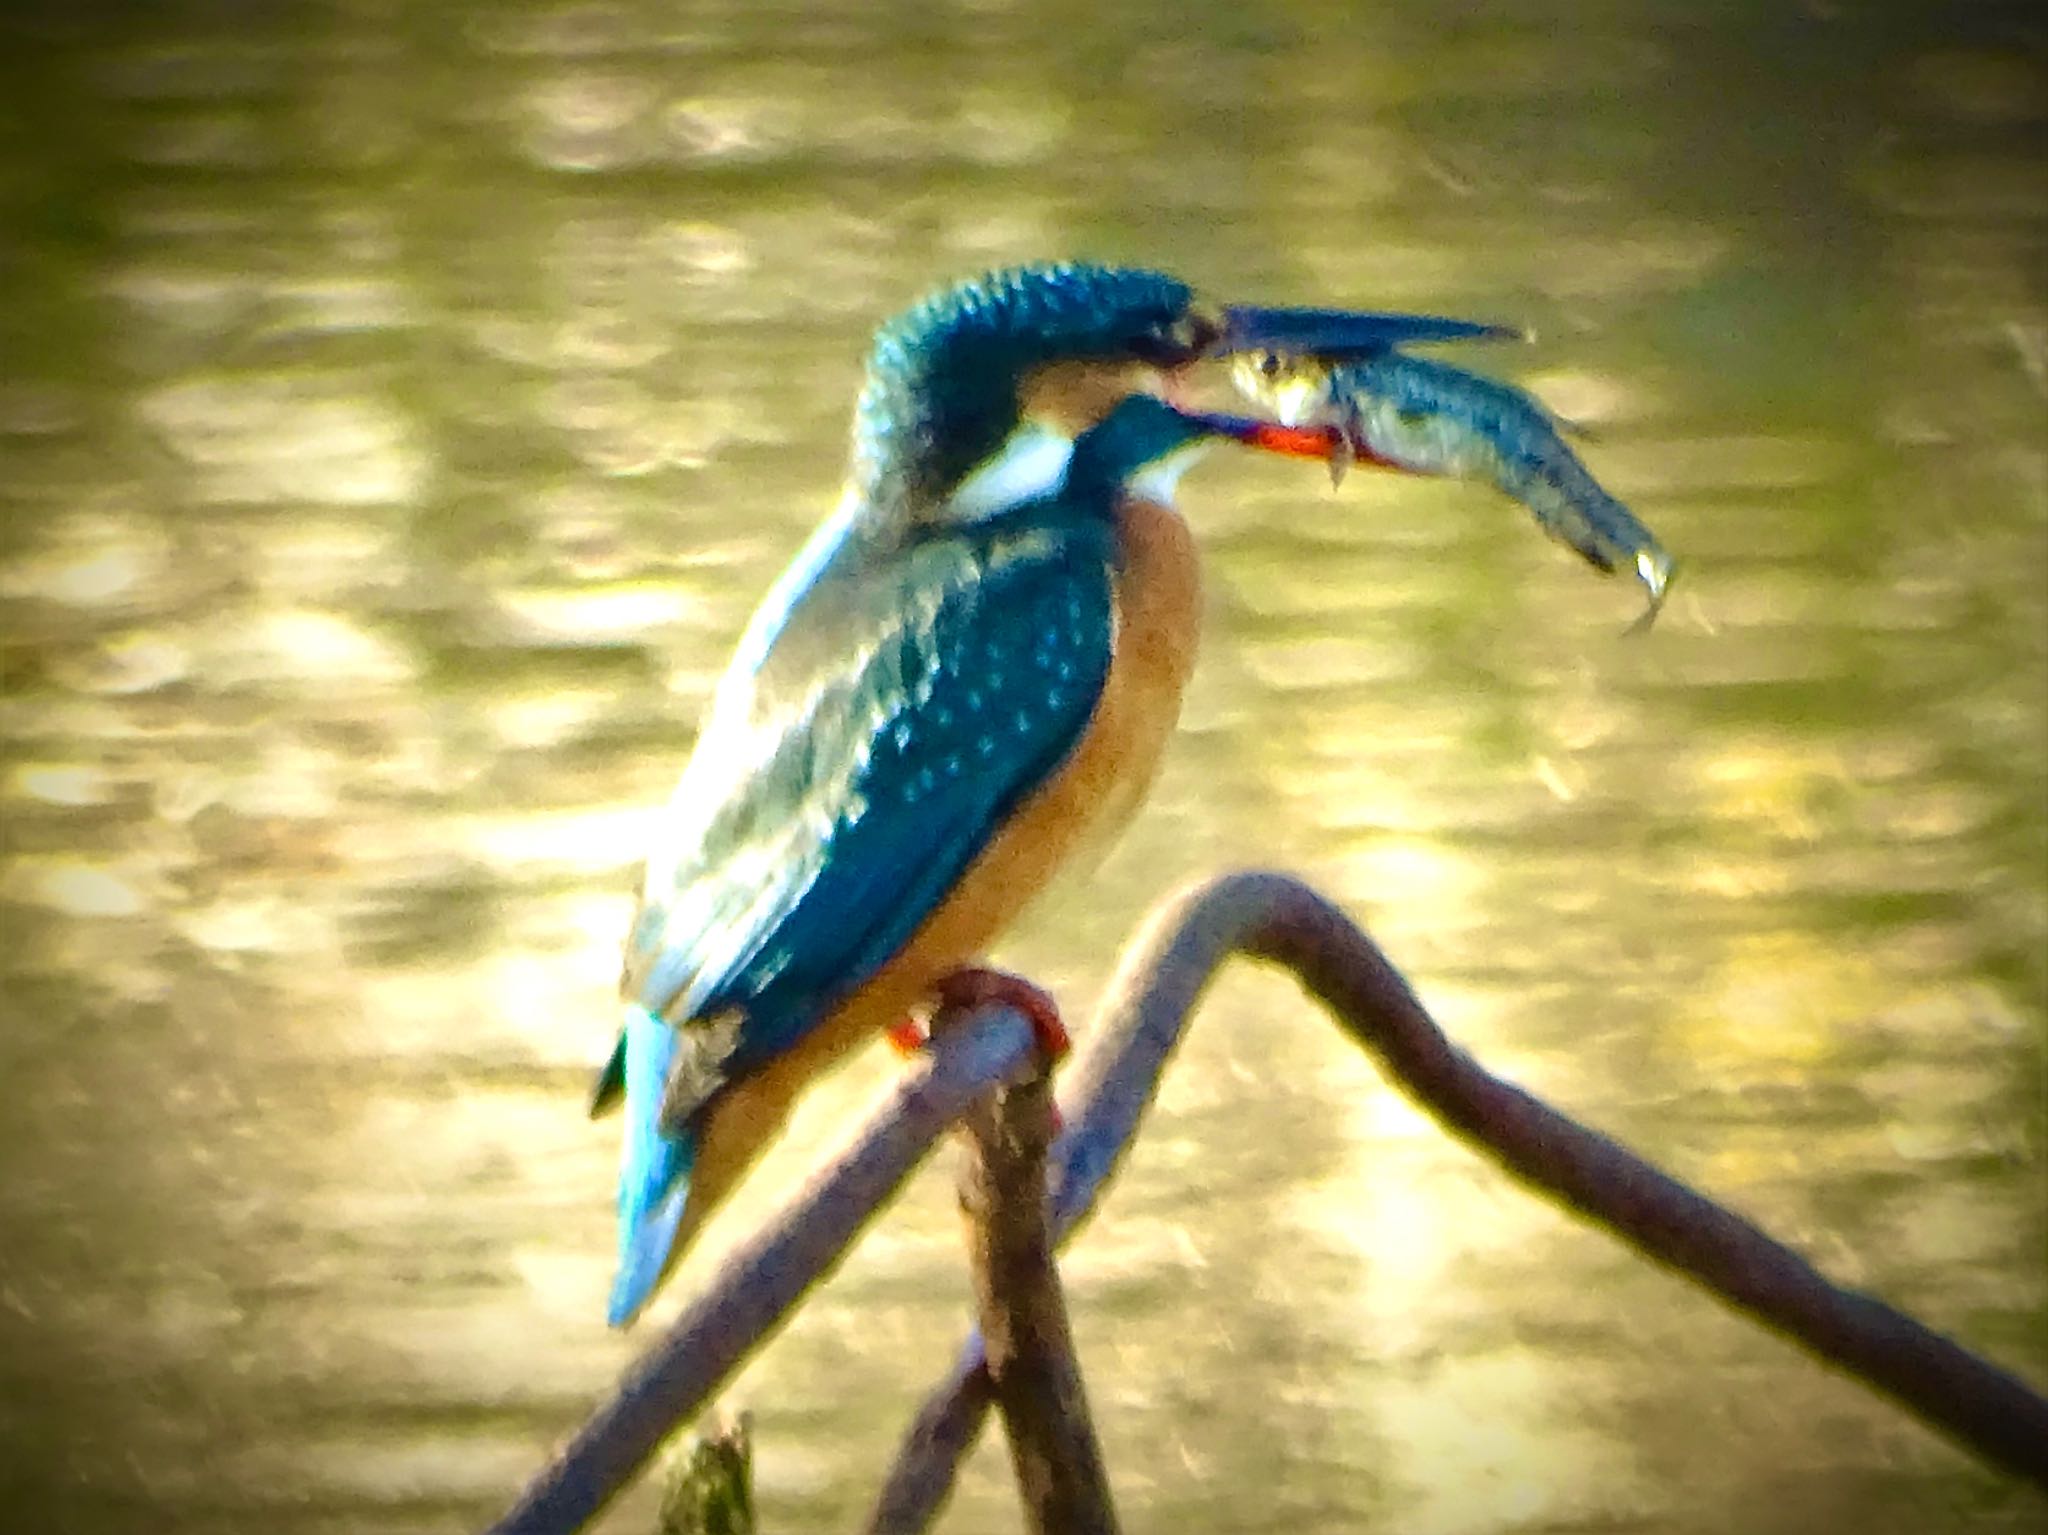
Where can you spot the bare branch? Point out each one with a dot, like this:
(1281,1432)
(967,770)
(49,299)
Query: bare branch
(1031,1363)
(1165,970)
(936,1445)
(765,1277)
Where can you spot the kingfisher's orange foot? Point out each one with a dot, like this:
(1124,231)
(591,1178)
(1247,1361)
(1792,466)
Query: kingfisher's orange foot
(972,985)
(908,1036)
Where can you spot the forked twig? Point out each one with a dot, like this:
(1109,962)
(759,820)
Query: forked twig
(1165,970)
(1987,1411)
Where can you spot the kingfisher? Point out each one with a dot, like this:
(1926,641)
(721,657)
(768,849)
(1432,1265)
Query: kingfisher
(973,662)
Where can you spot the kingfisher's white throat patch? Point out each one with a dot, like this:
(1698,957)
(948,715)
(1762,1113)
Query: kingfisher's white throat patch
(1029,465)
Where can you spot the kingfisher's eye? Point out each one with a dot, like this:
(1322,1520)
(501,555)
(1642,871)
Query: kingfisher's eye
(1182,339)
(1156,347)
(1197,330)
(1268,364)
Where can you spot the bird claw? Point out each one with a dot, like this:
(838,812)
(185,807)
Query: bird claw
(974,985)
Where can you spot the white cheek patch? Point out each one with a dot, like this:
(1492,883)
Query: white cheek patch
(1157,481)
(1029,465)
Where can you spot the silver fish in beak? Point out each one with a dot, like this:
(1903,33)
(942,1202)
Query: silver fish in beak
(1426,417)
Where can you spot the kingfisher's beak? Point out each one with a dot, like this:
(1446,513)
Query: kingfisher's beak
(1331,445)
(1323,442)
(1337,335)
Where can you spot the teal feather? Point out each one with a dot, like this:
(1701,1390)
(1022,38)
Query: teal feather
(654,1177)
(941,389)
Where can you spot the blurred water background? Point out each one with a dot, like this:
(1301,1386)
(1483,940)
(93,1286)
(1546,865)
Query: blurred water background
(402,405)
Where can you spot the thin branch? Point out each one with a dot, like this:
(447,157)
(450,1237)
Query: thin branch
(936,1444)
(764,1278)
(1031,1363)
(1165,970)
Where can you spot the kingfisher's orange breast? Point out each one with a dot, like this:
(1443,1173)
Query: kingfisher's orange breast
(1096,789)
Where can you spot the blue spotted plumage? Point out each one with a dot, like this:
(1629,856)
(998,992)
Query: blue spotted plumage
(910,747)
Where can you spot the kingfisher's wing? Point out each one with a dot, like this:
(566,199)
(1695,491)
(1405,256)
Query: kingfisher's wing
(842,790)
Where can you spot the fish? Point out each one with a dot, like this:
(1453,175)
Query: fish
(1399,411)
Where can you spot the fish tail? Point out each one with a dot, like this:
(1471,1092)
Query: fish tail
(1577,508)
(654,1171)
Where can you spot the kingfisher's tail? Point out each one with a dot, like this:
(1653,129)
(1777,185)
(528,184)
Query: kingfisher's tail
(654,1173)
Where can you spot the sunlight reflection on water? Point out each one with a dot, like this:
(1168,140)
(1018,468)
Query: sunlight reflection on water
(408,427)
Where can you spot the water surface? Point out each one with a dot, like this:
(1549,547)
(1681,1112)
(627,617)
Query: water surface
(401,408)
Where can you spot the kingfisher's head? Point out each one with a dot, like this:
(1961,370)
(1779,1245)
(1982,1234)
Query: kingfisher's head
(975,395)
